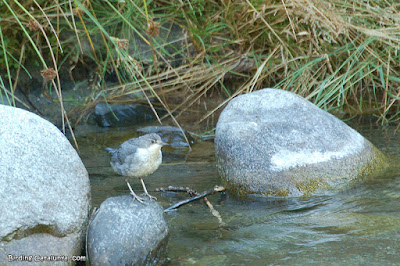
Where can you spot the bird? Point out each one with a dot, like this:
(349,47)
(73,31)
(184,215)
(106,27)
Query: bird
(137,157)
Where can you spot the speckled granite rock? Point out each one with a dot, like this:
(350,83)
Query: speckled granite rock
(127,232)
(44,189)
(274,142)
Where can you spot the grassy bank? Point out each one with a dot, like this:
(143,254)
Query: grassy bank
(342,55)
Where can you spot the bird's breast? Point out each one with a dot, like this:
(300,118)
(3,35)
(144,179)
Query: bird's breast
(144,162)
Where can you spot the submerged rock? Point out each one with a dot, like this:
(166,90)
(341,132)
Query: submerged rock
(171,135)
(44,189)
(127,232)
(274,142)
(113,115)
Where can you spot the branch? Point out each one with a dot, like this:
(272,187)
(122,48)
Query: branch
(191,192)
(197,197)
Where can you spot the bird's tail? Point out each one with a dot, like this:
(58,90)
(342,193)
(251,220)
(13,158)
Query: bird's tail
(110,150)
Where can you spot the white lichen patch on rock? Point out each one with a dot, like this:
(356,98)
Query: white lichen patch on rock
(285,159)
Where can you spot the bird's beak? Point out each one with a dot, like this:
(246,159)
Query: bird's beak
(164,143)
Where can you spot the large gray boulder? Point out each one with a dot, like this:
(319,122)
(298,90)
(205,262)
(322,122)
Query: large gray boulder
(127,232)
(44,191)
(274,142)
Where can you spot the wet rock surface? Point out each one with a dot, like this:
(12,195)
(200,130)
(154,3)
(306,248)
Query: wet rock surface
(127,232)
(44,188)
(274,142)
(113,115)
(169,134)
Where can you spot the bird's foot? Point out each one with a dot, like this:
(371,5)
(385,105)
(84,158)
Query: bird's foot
(145,190)
(136,197)
(150,196)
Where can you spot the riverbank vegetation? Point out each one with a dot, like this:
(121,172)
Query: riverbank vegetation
(342,55)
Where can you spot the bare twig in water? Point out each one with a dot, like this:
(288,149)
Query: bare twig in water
(191,192)
(195,196)
(214,211)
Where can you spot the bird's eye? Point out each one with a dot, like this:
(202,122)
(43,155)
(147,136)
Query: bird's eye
(153,141)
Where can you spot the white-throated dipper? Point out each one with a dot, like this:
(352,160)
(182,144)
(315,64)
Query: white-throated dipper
(137,157)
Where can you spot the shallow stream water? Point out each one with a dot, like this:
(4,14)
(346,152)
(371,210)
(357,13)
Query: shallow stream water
(359,226)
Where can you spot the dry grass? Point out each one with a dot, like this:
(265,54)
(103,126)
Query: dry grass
(342,55)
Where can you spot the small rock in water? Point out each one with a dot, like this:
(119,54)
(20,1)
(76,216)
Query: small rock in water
(172,135)
(127,232)
(113,115)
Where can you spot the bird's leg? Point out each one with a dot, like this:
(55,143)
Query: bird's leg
(133,193)
(145,190)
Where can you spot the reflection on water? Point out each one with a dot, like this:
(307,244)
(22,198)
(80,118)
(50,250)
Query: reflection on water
(358,226)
